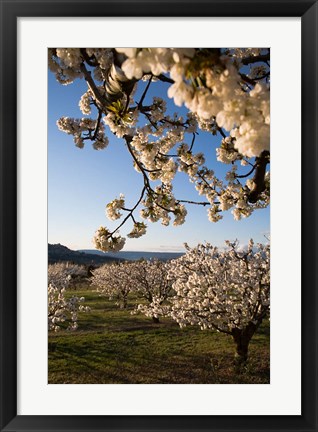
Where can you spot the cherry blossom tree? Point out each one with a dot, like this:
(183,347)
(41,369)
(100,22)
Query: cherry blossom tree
(227,291)
(225,93)
(60,308)
(146,279)
(150,282)
(58,272)
(113,281)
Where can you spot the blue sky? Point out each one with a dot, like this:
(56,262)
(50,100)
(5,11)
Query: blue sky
(82,181)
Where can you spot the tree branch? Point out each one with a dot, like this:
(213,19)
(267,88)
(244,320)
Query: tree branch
(203,203)
(163,78)
(130,214)
(88,78)
(255,59)
(144,93)
(259,177)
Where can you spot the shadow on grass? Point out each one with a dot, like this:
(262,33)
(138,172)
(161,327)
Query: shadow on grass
(157,356)
(114,346)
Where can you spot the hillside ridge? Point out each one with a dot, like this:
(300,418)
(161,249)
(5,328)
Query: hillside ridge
(59,253)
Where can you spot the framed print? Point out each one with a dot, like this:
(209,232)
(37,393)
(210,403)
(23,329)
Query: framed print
(150,107)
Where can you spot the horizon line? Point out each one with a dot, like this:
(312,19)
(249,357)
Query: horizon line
(123,250)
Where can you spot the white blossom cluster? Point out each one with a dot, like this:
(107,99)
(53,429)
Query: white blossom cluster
(154,60)
(65,63)
(106,241)
(138,230)
(226,93)
(245,52)
(60,308)
(159,204)
(114,207)
(245,114)
(83,129)
(225,290)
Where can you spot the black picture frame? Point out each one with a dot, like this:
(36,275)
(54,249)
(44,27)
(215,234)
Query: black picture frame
(10,11)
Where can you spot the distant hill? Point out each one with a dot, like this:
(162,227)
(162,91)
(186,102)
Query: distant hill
(58,253)
(135,255)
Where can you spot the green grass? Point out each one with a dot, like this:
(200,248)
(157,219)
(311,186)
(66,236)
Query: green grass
(113,346)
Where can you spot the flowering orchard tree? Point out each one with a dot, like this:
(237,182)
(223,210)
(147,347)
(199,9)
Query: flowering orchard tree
(227,291)
(113,280)
(58,272)
(150,281)
(60,308)
(225,92)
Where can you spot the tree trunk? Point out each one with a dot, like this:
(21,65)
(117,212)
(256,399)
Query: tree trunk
(242,339)
(241,342)
(124,304)
(155,320)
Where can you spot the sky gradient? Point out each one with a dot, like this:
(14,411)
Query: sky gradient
(82,181)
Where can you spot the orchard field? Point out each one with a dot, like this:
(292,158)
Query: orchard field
(112,346)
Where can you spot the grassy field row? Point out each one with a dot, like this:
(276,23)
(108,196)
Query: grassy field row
(113,346)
